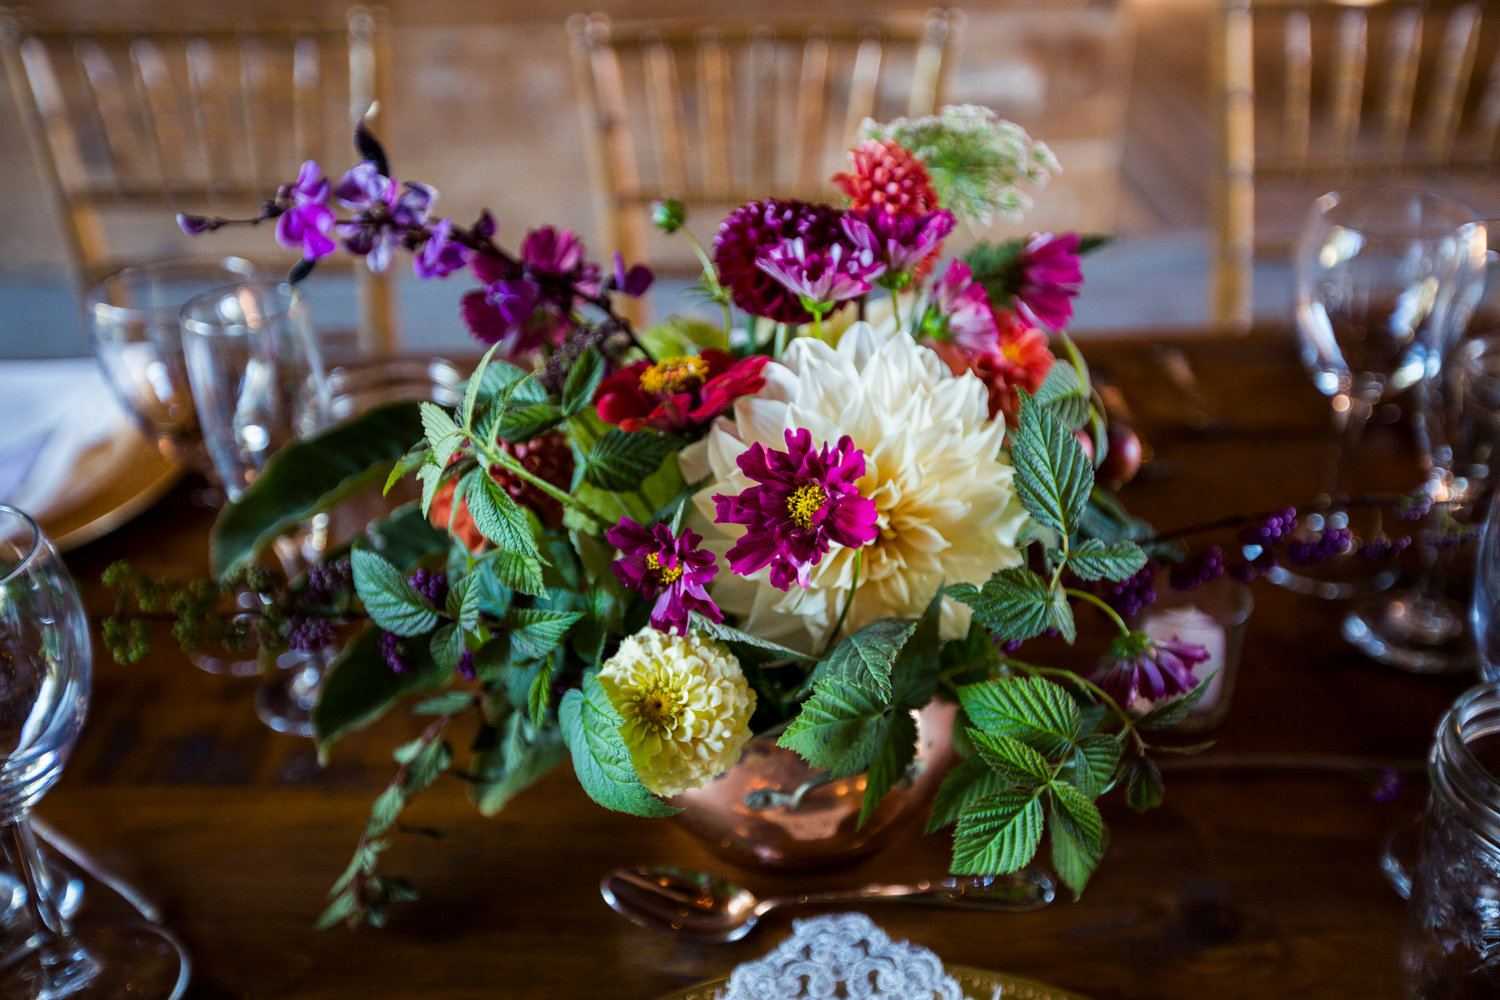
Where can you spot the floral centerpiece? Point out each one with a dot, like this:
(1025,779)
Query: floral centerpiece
(860,491)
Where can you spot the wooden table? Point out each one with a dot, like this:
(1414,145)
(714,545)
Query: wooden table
(1252,881)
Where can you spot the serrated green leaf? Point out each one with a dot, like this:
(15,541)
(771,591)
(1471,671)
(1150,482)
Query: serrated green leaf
(583,381)
(1066,395)
(1081,810)
(514,572)
(966,784)
(591,729)
(1144,787)
(383,812)
(998,834)
(1186,750)
(341,908)
(1074,855)
(430,476)
(1013,760)
(840,729)
(462,604)
(443,435)
(430,764)
(472,387)
(393,603)
(891,761)
(1017,604)
(526,422)
(621,460)
(539,698)
(534,632)
(1094,560)
(1053,476)
(1033,710)
(500,377)
(1165,714)
(864,659)
(447,646)
(406,465)
(728,634)
(498,518)
(447,703)
(1093,765)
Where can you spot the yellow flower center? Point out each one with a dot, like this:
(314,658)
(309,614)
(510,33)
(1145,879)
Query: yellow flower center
(805,501)
(670,375)
(655,710)
(1012,353)
(669,574)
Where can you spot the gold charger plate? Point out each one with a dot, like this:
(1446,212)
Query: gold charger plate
(134,481)
(977,984)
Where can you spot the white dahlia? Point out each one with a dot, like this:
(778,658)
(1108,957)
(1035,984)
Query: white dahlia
(942,486)
(684,704)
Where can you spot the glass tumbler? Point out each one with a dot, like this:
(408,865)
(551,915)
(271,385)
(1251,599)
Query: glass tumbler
(1451,948)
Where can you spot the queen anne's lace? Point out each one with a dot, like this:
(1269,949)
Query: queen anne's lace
(843,955)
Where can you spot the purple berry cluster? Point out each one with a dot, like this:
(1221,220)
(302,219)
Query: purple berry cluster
(1198,569)
(465,668)
(1254,569)
(326,580)
(1272,530)
(306,633)
(1384,547)
(433,586)
(1454,537)
(390,648)
(1415,506)
(1134,593)
(1320,547)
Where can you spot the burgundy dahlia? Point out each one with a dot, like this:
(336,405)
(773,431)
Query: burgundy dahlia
(666,568)
(749,233)
(805,500)
(680,393)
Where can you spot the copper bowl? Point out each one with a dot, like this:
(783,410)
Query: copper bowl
(772,810)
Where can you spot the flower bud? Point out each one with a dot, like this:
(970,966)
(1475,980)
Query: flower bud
(668,214)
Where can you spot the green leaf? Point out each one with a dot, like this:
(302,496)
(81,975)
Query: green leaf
(1093,765)
(463,602)
(393,603)
(360,687)
(840,729)
(309,476)
(891,762)
(406,537)
(447,646)
(341,908)
(998,834)
(966,784)
(498,518)
(1053,476)
(1144,787)
(514,571)
(1165,714)
(864,659)
(474,384)
(1017,604)
(431,477)
(621,460)
(1076,850)
(534,633)
(526,422)
(429,764)
(1013,760)
(383,812)
(1033,710)
(442,433)
(514,763)
(539,698)
(406,465)
(1081,811)
(1066,395)
(447,703)
(1093,560)
(733,636)
(591,729)
(501,377)
(583,381)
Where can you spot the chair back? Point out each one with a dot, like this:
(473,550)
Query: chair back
(717,114)
(130,125)
(1318,94)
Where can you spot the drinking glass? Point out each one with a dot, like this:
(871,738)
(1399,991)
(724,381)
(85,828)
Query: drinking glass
(1378,272)
(1451,947)
(257,380)
(44,640)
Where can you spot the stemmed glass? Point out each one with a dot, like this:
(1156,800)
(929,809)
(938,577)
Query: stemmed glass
(44,641)
(132,317)
(257,379)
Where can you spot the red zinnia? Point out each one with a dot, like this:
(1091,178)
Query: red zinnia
(1020,360)
(678,394)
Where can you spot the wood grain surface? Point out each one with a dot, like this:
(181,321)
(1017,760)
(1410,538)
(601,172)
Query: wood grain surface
(1258,877)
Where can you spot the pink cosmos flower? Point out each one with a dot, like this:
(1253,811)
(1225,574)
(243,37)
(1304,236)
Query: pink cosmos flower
(821,275)
(962,313)
(1051,276)
(902,243)
(666,568)
(1139,668)
(805,500)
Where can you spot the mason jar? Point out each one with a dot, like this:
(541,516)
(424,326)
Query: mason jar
(1451,948)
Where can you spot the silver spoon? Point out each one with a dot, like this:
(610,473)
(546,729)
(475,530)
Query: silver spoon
(696,906)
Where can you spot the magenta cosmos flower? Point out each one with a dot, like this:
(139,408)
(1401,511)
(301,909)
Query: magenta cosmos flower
(899,242)
(1051,275)
(824,274)
(805,500)
(961,312)
(666,568)
(1138,668)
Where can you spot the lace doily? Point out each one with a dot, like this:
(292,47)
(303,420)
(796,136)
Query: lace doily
(843,955)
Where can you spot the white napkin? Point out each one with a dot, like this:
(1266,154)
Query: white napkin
(60,428)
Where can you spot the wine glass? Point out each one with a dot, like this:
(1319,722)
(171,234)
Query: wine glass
(1381,275)
(44,641)
(133,322)
(258,383)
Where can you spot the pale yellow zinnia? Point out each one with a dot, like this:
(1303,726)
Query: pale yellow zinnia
(684,704)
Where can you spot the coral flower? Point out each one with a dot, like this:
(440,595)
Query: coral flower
(680,393)
(1019,360)
(806,501)
(666,568)
(1138,670)
(1051,276)
(884,175)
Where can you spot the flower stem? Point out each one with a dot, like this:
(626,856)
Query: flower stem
(1101,605)
(495,456)
(833,637)
(896,307)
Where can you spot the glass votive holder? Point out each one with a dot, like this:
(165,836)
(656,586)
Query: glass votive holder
(1451,948)
(1212,616)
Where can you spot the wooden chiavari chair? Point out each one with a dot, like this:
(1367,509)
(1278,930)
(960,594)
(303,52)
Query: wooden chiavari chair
(130,125)
(717,114)
(1359,91)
